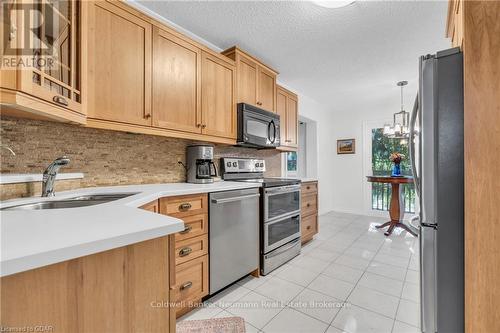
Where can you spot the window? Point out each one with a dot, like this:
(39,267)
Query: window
(382,147)
(291,163)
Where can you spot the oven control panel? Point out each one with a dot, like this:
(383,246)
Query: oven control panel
(240,165)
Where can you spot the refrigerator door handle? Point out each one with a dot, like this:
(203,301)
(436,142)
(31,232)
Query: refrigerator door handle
(428,279)
(412,145)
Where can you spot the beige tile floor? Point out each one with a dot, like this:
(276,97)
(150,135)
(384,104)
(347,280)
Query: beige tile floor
(350,278)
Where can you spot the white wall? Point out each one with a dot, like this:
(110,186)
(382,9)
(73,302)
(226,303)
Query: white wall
(349,175)
(320,150)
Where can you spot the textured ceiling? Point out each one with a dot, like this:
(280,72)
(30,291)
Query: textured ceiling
(347,58)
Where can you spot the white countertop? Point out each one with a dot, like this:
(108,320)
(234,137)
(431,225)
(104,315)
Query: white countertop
(36,238)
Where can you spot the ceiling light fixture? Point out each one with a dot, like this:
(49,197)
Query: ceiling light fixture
(333,3)
(400,128)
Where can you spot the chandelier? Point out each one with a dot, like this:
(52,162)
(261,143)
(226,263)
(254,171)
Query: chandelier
(400,128)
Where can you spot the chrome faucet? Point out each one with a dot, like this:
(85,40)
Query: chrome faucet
(49,176)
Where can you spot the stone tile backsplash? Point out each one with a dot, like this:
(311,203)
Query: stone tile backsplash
(105,157)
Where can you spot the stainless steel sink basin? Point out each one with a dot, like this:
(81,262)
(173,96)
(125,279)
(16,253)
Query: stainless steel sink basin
(80,201)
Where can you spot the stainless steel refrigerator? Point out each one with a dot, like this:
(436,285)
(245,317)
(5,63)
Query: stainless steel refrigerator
(437,156)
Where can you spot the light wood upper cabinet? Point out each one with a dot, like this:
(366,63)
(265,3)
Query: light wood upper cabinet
(256,82)
(292,121)
(177,83)
(287,108)
(119,65)
(281,104)
(247,80)
(266,89)
(455,22)
(52,88)
(218,101)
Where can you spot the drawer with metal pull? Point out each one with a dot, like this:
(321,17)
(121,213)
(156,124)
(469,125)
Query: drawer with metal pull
(185,205)
(192,280)
(309,187)
(309,226)
(190,248)
(309,204)
(194,226)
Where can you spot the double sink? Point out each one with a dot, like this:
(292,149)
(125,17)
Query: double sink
(79,201)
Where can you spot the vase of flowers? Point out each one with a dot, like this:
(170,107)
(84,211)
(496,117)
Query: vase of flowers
(396,158)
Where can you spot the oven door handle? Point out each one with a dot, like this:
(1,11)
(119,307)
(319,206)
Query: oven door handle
(284,248)
(283,189)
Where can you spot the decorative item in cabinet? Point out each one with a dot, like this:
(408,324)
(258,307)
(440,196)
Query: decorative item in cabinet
(256,82)
(48,84)
(309,210)
(287,108)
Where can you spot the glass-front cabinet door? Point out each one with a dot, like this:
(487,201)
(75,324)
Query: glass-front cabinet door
(52,38)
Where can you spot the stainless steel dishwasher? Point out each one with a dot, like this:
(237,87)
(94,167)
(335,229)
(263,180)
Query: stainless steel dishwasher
(234,236)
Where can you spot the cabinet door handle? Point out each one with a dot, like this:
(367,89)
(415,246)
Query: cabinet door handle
(308,227)
(259,103)
(308,205)
(198,125)
(186,229)
(203,126)
(186,285)
(308,187)
(147,115)
(185,206)
(60,100)
(185,251)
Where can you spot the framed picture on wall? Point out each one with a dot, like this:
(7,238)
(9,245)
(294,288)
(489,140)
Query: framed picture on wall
(346,146)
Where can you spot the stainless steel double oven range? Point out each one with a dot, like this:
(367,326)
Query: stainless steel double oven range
(280,211)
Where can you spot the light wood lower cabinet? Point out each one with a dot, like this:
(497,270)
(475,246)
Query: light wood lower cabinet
(184,205)
(191,249)
(309,210)
(121,290)
(188,249)
(191,283)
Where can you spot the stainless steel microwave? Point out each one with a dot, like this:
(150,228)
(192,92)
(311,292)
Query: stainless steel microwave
(257,128)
